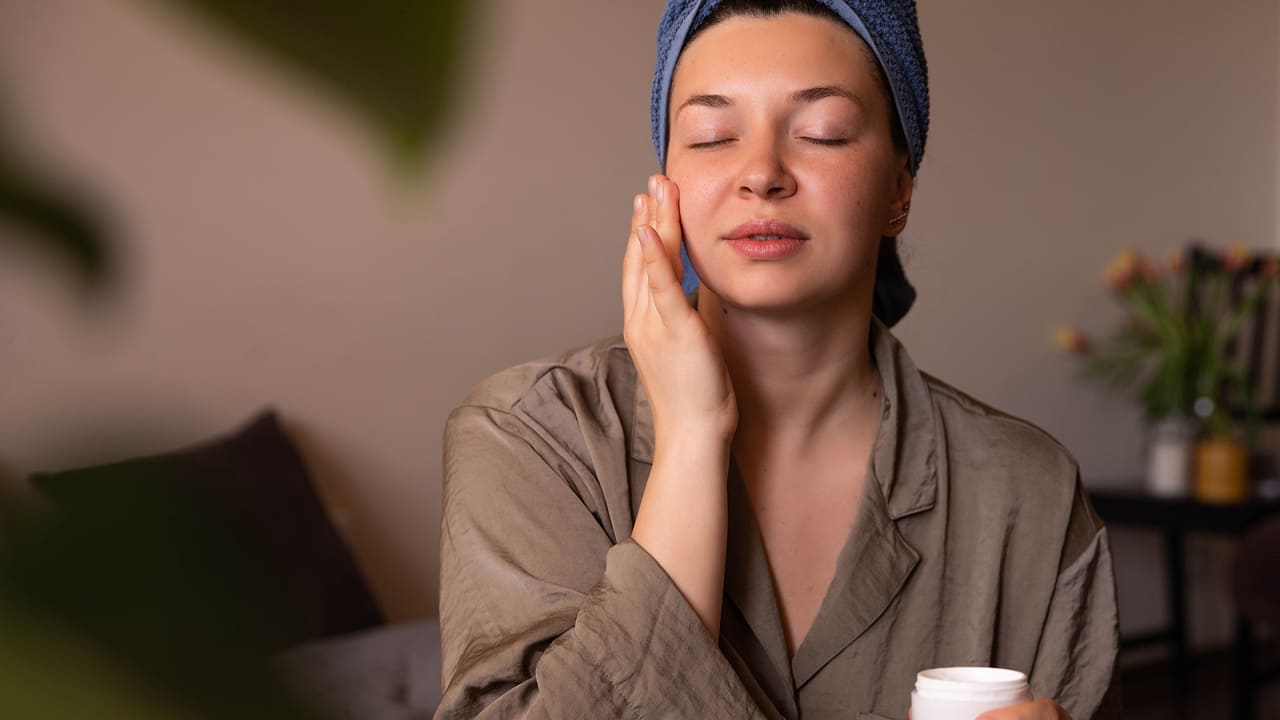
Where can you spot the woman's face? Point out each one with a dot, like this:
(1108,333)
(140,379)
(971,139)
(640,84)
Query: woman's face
(781,146)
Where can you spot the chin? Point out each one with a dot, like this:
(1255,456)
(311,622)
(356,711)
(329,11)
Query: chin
(769,294)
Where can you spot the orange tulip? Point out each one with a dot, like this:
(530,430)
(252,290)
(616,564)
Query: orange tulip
(1071,340)
(1123,270)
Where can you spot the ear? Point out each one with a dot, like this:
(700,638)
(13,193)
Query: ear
(900,202)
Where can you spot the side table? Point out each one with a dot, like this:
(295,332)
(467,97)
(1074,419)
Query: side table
(1174,519)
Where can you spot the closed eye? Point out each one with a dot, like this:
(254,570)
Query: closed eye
(829,142)
(710,144)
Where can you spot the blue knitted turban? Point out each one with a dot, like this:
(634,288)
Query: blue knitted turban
(890,29)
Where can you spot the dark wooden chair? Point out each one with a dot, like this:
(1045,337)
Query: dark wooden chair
(1255,589)
(1256,566)
(1257,347)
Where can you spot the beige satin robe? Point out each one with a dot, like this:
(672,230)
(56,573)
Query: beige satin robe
(973,544)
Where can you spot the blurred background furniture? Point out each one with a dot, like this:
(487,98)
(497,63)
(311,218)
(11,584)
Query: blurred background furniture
(214,572)
(1252,523)
(256,512)
(1255,585)
(1257,347)
(1175,520)
(386,673)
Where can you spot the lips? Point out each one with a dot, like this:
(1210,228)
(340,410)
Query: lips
(765,230)
(766,240)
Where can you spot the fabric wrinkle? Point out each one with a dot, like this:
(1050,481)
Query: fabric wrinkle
(544,614)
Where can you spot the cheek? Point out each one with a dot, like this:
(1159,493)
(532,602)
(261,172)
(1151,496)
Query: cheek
(698,198)
(852,192)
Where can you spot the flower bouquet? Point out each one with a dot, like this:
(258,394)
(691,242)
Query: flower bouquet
(1175,341)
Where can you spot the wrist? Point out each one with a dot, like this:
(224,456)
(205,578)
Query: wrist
(704,435)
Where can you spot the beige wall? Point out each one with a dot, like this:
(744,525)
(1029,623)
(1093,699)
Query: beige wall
(1063,131)
(1058,138)
(273,258)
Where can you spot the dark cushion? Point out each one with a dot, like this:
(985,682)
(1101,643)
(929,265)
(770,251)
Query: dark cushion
(233,521)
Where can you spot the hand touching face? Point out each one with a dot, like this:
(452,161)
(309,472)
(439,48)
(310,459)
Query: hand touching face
(679,364)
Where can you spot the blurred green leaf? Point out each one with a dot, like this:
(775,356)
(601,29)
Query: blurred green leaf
(142,575)
(395,61)
(52,218)
(47,671)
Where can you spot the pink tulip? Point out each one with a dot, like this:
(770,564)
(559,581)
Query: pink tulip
(1235,258)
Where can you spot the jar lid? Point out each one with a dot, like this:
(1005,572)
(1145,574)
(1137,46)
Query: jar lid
(970,683)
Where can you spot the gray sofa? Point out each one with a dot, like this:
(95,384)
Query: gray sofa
(387,673)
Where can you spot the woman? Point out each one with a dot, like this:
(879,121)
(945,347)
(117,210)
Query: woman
(756,505)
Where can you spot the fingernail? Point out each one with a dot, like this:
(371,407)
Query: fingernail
(662,192)
(653,186)
(642,234)
(638,205)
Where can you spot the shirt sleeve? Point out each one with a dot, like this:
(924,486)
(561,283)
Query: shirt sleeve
(542,615)
(1076,658)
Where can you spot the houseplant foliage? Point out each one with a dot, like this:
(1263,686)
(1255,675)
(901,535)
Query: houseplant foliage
(1173,341)
(1174,346)
(40,212)
(392,62)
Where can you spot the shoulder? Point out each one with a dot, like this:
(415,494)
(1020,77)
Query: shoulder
(999,448)
(603,365)
(575,409)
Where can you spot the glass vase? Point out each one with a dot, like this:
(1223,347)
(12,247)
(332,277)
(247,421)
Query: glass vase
(1169,455)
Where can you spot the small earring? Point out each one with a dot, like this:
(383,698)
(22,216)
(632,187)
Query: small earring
(906,208)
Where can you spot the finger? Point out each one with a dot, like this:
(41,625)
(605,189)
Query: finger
(655,210)
(654,184)
(632,260)
(664,288)
(667,219)
(1041,709)
(640,301)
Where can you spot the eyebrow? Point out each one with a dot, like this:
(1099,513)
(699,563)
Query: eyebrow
(808,95)
(711,101)
(815,94)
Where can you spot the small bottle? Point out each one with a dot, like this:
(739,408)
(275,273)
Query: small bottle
(963,693)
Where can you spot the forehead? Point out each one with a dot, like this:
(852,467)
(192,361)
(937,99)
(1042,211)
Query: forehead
(748,54)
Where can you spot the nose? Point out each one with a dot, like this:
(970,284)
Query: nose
(764,172)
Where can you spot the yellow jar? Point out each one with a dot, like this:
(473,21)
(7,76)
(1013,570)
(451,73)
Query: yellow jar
(1222,471)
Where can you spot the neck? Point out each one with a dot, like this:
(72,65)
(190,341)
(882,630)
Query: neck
(797,375)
